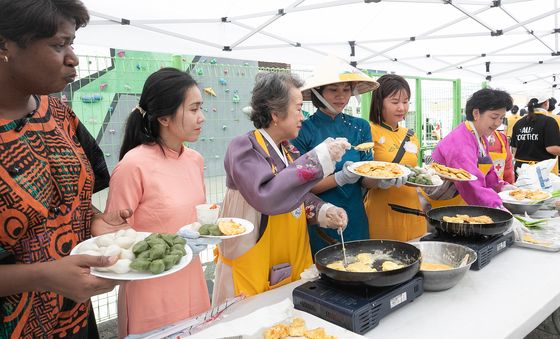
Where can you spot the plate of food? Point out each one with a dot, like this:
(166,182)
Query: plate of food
(224,228)
(378,169)
(423,177)
(452,174)
(142,255)
(524,196)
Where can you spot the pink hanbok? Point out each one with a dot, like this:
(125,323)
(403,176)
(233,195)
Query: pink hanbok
(162,191)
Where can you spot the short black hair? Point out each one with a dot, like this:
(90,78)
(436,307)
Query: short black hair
(23,21)
(487,99)
(388,84)
(514,109)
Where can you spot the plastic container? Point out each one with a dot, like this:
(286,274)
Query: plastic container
(207,213)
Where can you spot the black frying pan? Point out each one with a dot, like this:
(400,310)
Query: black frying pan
(401,252)
(502,219)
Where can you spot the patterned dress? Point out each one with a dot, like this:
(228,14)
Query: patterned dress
(46,183)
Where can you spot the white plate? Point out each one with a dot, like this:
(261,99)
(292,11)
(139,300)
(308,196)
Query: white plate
(413,184)
(352,168)
(472,178)
(133,275)
(249,227)
(504,195)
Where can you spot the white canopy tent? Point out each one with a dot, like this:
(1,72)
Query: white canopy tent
(512,43)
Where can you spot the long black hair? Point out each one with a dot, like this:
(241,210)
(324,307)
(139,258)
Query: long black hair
(163,93)
(531,105)
(388,84)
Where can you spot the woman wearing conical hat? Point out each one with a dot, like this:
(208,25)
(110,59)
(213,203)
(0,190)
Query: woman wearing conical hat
(330,88)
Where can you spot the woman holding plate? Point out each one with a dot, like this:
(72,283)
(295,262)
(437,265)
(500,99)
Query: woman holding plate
(268,184)
(162,181)
(393,143)
(330,88)
(466,147)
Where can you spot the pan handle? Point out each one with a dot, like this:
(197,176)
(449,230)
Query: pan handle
(407,210)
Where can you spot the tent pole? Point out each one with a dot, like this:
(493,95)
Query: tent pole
(419,119)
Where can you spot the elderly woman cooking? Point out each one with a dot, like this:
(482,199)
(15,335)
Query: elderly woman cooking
(466,147)
(268,183)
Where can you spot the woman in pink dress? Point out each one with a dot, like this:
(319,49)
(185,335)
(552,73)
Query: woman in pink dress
(161,181)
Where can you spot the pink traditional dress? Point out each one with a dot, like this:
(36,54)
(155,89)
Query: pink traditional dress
(162,190)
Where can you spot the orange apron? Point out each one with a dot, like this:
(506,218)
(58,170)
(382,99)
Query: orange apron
(285,240)
(458,200)
(499,158)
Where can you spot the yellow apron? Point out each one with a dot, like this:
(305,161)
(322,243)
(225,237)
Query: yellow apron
(511,120)
(384,223)
(499,158)
(285,240)
(458,200)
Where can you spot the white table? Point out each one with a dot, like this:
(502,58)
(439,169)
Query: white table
(508,298)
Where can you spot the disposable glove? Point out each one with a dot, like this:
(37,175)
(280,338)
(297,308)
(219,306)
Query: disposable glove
(386,183)
(331,216)
(344,176)
(442,192)
(337,147)
(195,242)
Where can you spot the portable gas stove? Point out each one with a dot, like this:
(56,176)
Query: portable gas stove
(356,308)
(486,248)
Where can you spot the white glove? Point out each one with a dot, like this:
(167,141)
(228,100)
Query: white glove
(195,242)
(344,176)
(386,183)
(337,147)
(331,216)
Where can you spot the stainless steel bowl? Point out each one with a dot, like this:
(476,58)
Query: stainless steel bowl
(522,208)
(444,253)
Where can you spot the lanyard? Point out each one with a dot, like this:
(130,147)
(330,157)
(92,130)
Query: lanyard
(271,142)
(480,147)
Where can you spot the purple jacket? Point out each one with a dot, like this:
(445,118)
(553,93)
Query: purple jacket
(459,149)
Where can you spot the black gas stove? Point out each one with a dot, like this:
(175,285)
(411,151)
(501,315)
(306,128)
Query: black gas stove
(486,248)
(356,308)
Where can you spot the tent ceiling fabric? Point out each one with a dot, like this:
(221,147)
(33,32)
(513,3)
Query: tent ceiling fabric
(507,41)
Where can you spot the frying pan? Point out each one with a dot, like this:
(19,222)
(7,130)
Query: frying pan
(382,250)
(502,219)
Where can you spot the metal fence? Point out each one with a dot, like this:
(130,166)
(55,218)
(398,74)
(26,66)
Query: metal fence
(109,88)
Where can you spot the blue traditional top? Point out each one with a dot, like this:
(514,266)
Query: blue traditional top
(315,130)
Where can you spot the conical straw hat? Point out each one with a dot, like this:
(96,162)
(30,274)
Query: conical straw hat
(334,70)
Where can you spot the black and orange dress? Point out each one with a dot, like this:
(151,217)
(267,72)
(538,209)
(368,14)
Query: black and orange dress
(46,184)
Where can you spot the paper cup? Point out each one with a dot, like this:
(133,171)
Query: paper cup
(205,214)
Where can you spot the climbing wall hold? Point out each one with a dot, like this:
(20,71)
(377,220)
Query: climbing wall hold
(210,91)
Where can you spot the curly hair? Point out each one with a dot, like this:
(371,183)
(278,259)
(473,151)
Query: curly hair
(487,99)
(271,93)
